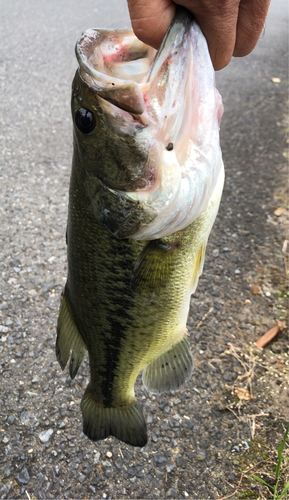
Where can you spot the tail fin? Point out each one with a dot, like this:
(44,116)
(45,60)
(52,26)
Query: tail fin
(171,370)
(125,423)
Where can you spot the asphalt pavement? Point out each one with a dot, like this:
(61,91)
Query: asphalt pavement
(199,438)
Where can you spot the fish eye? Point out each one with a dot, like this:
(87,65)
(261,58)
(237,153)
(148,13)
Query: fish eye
(85,121)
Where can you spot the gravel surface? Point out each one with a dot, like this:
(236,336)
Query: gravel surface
(200,438)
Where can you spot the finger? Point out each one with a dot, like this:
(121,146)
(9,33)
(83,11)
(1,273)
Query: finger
(251,20)
(218,22)
(150,19)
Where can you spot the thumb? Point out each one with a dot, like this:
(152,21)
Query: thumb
(150,19)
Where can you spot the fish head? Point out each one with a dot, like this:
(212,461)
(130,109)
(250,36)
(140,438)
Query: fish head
(147,125)
(106,105)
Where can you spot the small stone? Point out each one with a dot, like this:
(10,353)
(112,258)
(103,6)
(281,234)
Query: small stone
(109,454)
(9,472)
(171,493)
(45,435)
(92,489)
(96,458)
(158,474)
(47,287)
(5,489)
(10,419)
(48,485)
(181,462)
(23,476)
(159,459)
(8,322)
(3,329)
(5,440)
(232,477)
(201,455)
(32,292)
(189,424)
(81,478)
(35,379)
(25,417)
(237,271)
(62,425)
(169,468)
(118,464)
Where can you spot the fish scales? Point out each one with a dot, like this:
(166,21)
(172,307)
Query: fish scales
(128,289)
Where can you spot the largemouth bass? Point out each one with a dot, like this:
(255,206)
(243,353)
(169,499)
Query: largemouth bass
(146,182)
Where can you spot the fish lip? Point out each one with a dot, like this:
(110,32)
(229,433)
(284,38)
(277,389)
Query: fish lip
(126,94)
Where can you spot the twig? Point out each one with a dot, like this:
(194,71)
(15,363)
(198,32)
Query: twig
(232,494)
(121,453)
(228,483)
(284,251)
(239,483)
(228,408)
(204,317)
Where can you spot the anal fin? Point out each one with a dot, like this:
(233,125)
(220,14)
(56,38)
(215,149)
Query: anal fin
(69,340)
(171,370)
(126,423)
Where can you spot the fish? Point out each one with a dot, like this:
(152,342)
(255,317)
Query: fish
(146,182)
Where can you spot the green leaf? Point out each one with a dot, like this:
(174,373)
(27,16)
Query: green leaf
(283,492)
(280,452)
(283,470)
(261,481)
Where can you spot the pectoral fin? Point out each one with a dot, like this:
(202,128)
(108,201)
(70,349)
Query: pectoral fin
(198,266)
(155,265)
(69,340)
(170,370)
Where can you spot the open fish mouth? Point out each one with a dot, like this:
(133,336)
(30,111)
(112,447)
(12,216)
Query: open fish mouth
(164,104)
(116,62)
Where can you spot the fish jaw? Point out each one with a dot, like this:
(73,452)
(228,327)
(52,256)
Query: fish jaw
(166,108)
(115,61)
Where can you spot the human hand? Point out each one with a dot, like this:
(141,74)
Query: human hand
(231,27)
